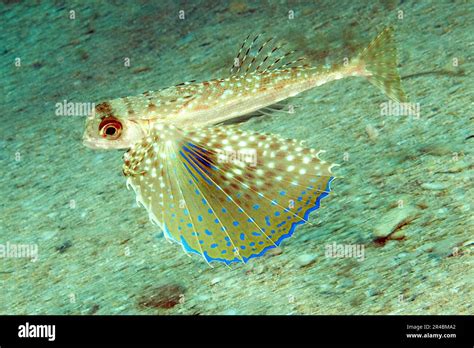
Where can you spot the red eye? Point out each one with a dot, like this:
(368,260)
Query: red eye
(110,128)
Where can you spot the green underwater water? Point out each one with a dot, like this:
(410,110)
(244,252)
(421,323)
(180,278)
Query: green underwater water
(400,210)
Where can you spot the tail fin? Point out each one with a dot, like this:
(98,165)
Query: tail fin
(380,59)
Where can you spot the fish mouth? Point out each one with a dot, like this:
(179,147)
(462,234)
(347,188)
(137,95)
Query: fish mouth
(99,144)
(92,143)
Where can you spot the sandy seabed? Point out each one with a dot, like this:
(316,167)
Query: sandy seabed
(406,178)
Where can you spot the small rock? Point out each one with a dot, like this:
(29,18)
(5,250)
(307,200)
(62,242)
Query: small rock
(356,300)
(164,296)
(458,166)
(346,283)
(325,289)
(402,255)
(372,132)
(63,247)
(305,259)
(398,235)
(93,309)
(444,248)
(216,280)
(274,251)
(48,235)
(442,211)
(238,7)
(372,292)
(203,298)
(394,219)
(435,186)
(427,247)
(435,149)
(259,269)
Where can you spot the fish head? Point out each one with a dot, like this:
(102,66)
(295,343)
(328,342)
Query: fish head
(112,132)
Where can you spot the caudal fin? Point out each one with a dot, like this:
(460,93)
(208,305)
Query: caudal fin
(380,61)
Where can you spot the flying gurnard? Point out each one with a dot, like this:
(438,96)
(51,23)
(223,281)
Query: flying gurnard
(221,192)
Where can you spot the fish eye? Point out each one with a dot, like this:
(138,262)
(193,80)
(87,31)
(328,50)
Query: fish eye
(110,128)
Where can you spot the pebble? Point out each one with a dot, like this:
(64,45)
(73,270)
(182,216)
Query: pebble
(458,166)
(305,259)
(274,251)
(444,248)
(427,247)
(346,283)
(442,211)
(372,132)
(393,219)
(372,292)
(435,186)
(164,296)
(203,298)
(436,149)
(325,288)
(304,237)
(48,235)
(216,280)
(64,246)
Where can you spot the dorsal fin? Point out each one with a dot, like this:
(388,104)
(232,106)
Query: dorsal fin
(242,55)
(261,57)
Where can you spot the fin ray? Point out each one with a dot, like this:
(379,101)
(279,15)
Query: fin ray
(259,60)
(380,60)
(233,209)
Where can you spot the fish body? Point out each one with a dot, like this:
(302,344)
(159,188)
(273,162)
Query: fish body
(196,104)
(226,194)
(215,101)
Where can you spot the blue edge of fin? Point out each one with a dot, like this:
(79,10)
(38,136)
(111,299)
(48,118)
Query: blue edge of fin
(278,242)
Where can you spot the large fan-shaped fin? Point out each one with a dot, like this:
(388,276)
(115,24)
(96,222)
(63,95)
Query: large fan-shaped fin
(223,193)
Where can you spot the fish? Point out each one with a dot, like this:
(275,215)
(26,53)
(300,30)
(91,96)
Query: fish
(221,192)
(254,84)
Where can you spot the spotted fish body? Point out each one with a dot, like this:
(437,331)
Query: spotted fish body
(194,176)
(254,87)
(216,101)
